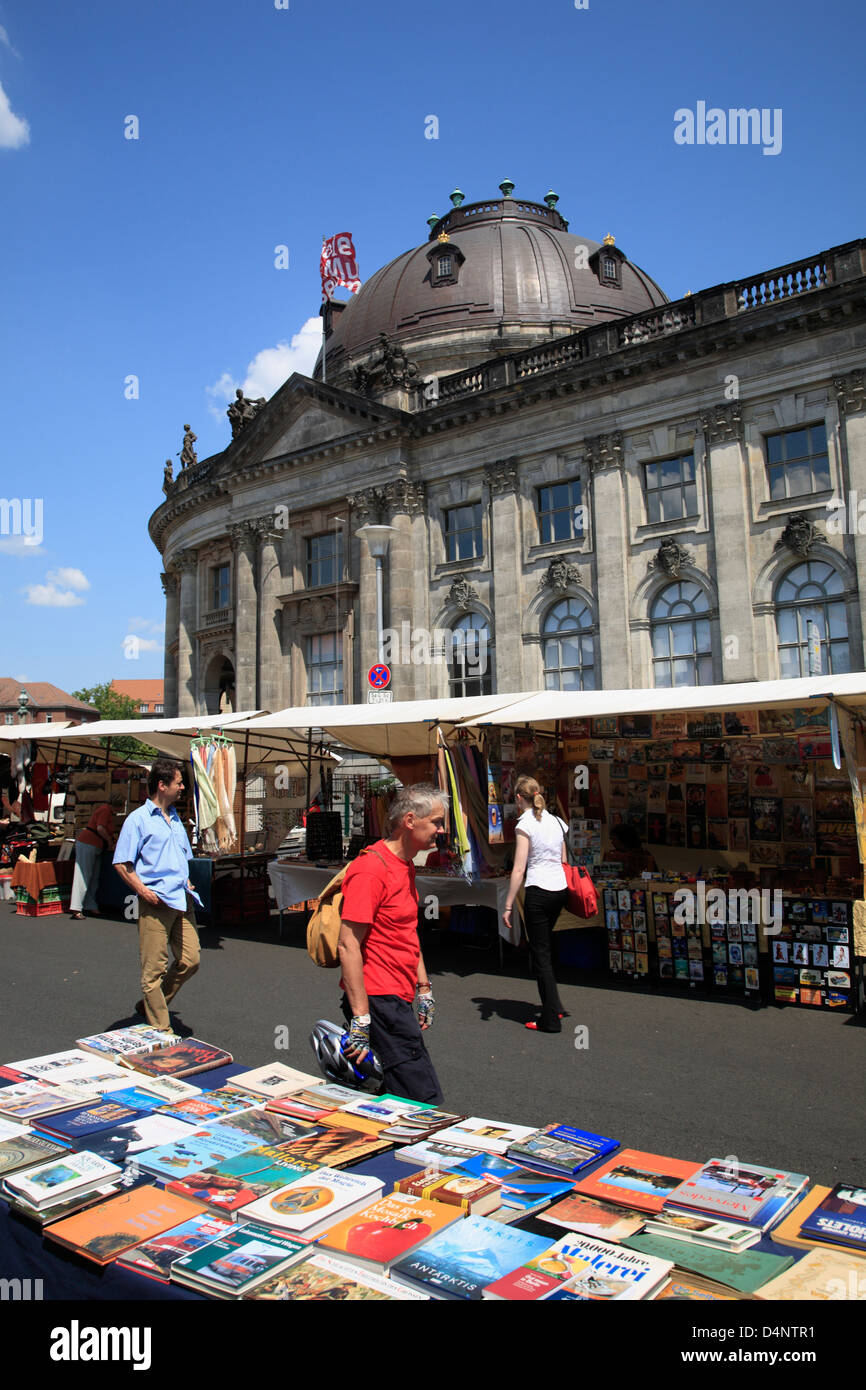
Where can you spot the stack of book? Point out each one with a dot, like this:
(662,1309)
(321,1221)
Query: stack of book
(71,1175)
(561,1149)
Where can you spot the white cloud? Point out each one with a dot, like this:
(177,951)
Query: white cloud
(18,545)
(146,625)
(72,578)
(14,130)
(7,42)
(270,368)
(49,596)
(22,680)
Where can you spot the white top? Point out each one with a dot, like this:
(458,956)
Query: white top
(544,865)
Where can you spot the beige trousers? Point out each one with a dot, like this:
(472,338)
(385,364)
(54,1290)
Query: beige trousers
(158,929)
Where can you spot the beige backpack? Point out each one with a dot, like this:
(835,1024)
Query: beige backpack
(323,928)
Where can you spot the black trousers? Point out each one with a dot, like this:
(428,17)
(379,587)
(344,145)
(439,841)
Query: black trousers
(397,1040)
(541,908)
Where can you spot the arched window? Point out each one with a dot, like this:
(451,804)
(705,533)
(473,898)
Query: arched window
(470,657)
(568,646)
(810,614)
(682,651)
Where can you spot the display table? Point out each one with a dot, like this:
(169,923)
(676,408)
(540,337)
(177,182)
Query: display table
(295,882)
(42,888)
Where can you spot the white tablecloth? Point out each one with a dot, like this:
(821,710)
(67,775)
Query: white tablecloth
(294,883)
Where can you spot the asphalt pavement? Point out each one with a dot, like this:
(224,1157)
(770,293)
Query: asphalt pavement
(674,1073)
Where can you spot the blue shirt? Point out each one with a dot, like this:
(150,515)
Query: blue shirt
(159,852)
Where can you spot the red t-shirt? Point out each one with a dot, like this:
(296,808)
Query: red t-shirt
(384,895)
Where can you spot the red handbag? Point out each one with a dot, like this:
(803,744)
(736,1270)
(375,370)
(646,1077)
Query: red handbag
(581,898)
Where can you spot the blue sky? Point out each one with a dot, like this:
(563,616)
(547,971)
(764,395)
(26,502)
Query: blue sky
(261,127)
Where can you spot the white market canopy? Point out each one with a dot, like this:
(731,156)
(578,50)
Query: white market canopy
(172,737)
(406,728)
(543,709)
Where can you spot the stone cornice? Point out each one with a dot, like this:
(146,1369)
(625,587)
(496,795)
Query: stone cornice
(185,561)
(404,495)
(502,477)
(603,452)
(722,423)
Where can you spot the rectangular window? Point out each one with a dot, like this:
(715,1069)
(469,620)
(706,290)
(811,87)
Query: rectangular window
(797,462)
(325,669)
(324,559)
(463,537)
(10,719)
(671,491)
(49,719)
(158,709)
(560,512)
(220,586)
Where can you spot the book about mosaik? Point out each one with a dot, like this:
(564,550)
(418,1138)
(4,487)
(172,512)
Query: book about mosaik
(699,905)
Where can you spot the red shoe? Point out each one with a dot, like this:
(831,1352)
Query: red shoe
(535,1028)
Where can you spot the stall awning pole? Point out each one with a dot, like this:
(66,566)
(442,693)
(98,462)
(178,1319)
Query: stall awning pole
(309,768)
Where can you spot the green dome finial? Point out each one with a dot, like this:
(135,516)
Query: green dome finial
(431,221)
(551,199)
(506,188)
(457,197)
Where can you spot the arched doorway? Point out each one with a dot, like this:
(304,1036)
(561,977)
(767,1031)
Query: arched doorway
(219,688)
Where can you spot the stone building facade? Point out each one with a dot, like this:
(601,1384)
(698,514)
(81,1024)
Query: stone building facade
(588,485)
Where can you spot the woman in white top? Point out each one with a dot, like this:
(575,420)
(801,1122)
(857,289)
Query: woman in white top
(539,853)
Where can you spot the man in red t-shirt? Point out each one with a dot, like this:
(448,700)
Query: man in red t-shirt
(383,969)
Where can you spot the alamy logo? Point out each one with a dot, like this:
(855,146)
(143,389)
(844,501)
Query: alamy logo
(77,1343)
(22,516)
(738,126)
(20,1290)
(757,905)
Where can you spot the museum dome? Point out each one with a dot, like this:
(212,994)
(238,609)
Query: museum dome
(492,277)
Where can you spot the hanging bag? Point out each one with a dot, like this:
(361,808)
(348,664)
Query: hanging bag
(323,928)
(581,897)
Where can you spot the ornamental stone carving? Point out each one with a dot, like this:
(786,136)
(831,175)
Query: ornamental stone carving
(244,534)
(185,560)
(187,454)
(404,495)
(168,478)
(318,613)
(169,582)
(604,451)
(462,594)
(243,411)
(722,423)
(799,535)
(559,575)
(502,477)
(395,369)
(851,392)
(671,558)
(367,505)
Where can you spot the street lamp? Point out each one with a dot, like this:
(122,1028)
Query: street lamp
(378,538)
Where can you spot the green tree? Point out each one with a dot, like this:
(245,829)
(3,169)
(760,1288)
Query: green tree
(112,705)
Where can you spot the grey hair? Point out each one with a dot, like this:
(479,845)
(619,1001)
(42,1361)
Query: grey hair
(419,799)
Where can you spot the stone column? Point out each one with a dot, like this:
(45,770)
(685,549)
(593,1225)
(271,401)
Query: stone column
(170,588)
(727,488)
(851,396)
(403,499)
(187,654)
(604,456)
(245,543)
(365,509)
(270,618)
(506,566)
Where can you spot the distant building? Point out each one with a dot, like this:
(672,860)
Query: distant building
(42,702)
(148,695)
(553,476)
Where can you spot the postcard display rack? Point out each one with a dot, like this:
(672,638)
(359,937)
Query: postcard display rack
(759,786)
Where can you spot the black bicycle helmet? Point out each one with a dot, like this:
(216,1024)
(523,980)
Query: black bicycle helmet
(326,1041)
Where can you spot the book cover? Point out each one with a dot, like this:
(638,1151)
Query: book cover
(266,1126)
(388,1229)
(59,1177)
(637,1179)
(154,1257)
(126,1042)
(383,1111)
(787,1231)
(303,1105)
(28,1100)
(542,1275)
(744,1271)
(122,1143)
(182,1059)
(738,1191)
(422,1125)
(490,1136)
(88,1119)
(51,1067)
(308,1205)
(321,1277)
(197,1149)
(362,1124)
(26,1151)
(234,1183)
(527,1188)
(275,1080)
(702,1230)
(690,1288)
(210,1105)
(334,1146)
(561,1148)
(477,1195)
(820,1275)
(10,1129)
(230,1265)
(137,1098)
(589,1216)
(101,1233)
(840,1217)
(470,1254)
(615,1274)
(431,1152)
(92,1082)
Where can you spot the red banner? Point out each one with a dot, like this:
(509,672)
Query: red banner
(339,264)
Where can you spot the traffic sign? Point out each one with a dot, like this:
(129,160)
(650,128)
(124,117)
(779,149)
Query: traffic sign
(379,676)
(379,697)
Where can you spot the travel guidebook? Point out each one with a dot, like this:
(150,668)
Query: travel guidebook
(234,1183)
(197,1149)
(144,1098)
(87,1119)
(235,1262)
(210,1105)
(28,1100)
(460,1261)
(637,1179)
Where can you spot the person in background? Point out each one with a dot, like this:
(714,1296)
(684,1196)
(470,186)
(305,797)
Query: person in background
(152,857)
(627,849)
(99,834)
(539,854)
(388,1000)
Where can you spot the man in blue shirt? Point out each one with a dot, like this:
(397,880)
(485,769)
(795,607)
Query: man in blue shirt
(152,857)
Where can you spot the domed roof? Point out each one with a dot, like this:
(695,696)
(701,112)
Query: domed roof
(515,276)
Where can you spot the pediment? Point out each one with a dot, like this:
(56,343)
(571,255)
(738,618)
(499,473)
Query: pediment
(310,426)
